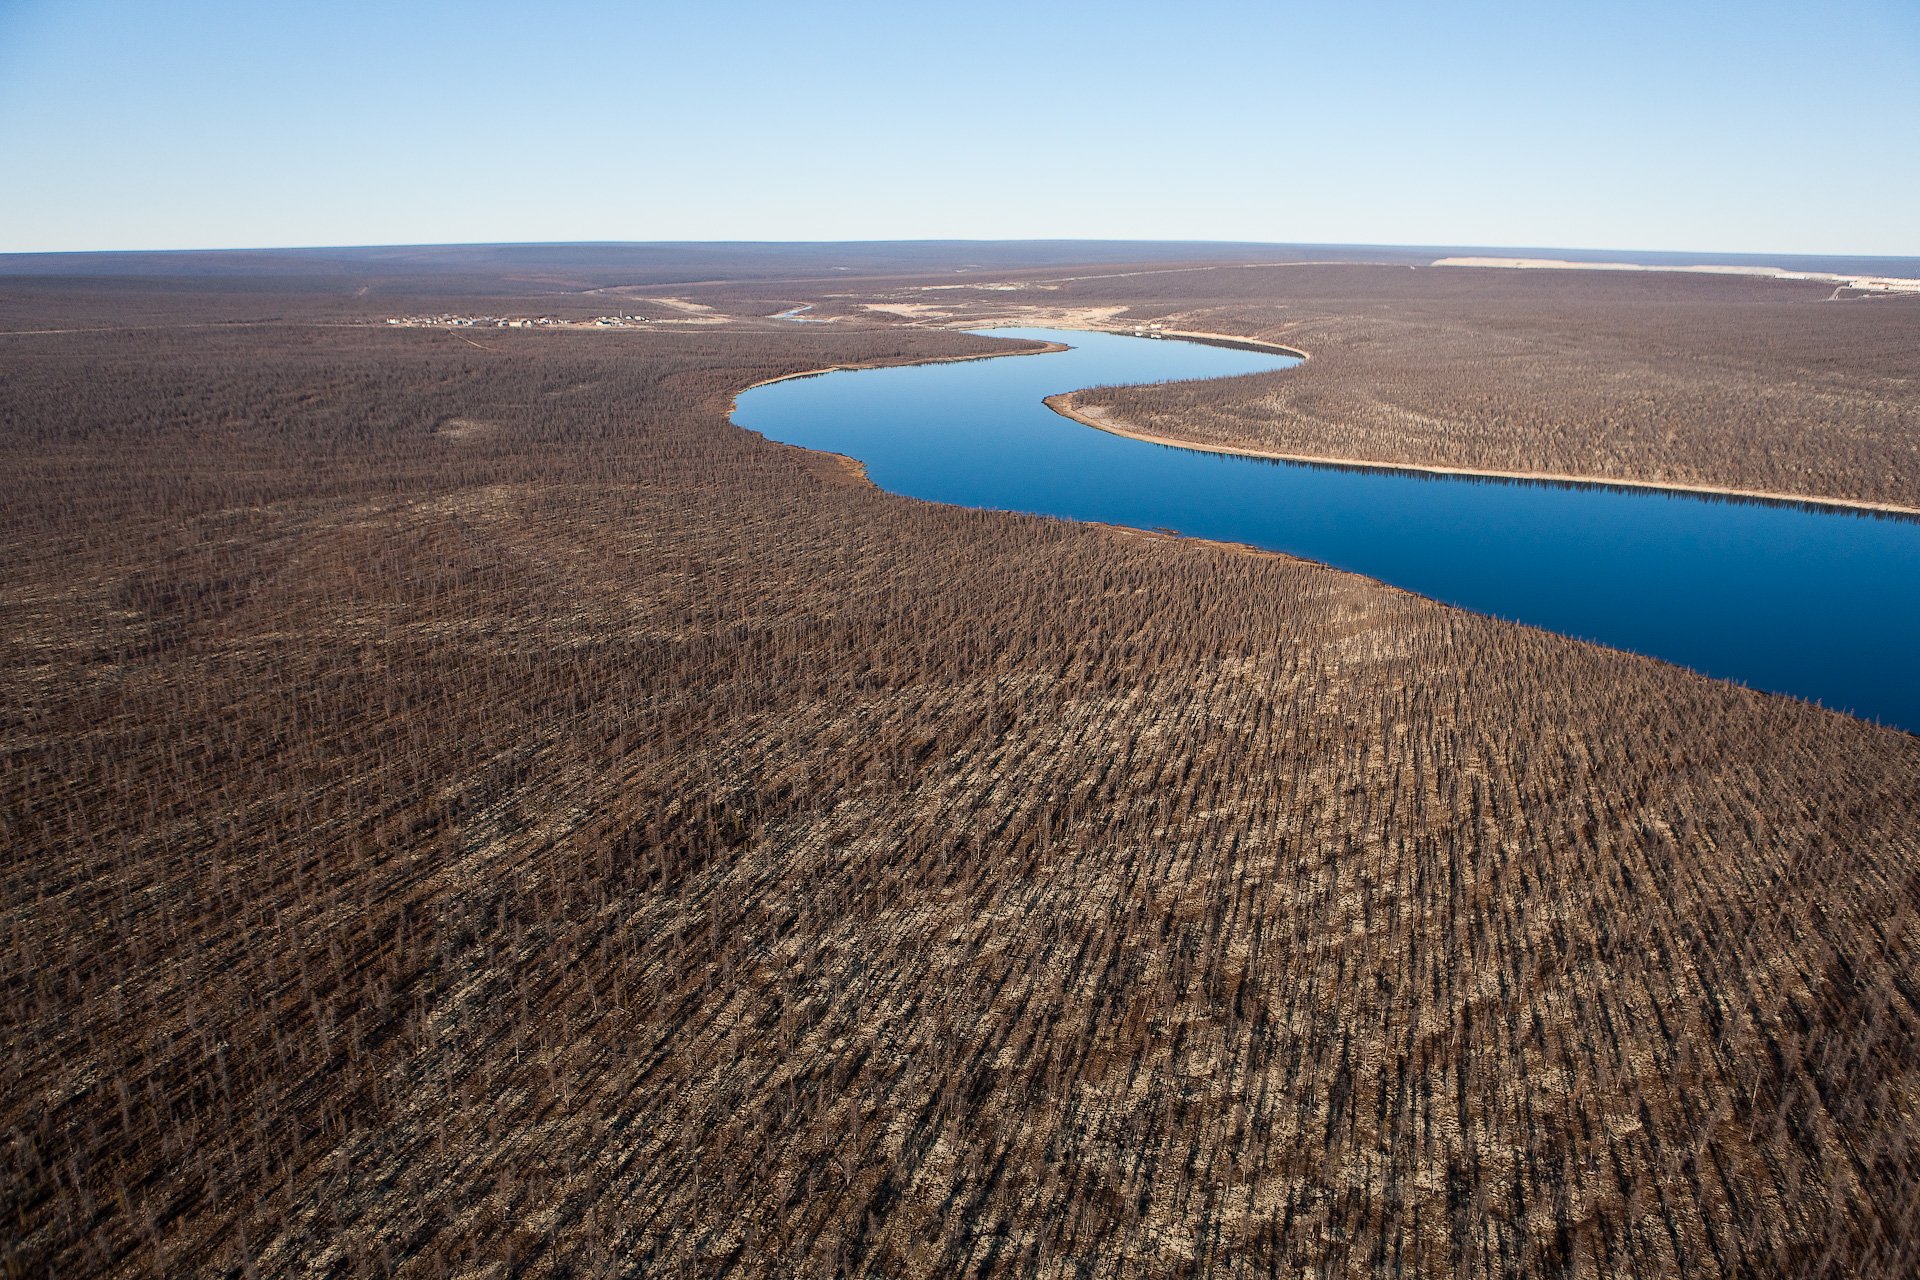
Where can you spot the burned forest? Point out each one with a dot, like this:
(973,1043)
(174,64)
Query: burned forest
(472,810)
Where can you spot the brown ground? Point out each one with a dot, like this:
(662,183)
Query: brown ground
(475,812)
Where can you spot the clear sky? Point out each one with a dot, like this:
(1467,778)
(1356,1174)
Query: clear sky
(1745,127)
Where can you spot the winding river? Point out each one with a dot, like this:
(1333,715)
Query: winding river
(1821,604)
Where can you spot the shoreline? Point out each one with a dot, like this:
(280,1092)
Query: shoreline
(851,465)
(1238,344)
(1186,335)
(1062,404)
(733,401)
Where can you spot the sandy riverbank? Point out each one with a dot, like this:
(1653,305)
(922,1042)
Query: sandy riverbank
(1047,349)
(1239,343)
(1064,405)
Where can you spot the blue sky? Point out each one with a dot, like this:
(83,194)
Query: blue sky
(1752,127)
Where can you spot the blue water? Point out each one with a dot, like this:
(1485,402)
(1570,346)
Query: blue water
(1823,605)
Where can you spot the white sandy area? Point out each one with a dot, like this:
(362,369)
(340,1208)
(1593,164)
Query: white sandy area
(1889,284)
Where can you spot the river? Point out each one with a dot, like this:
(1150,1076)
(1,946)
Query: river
(1820,604)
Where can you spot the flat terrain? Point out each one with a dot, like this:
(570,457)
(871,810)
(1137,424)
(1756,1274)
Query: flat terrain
(471,811)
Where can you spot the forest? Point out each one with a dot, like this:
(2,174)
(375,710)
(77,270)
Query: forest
(471,810)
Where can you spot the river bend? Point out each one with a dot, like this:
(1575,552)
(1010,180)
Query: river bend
(1821,604)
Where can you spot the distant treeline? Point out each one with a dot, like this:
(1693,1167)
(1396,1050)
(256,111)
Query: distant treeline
(509,269)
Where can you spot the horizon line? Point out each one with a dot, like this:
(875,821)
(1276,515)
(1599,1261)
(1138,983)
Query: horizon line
(374,246)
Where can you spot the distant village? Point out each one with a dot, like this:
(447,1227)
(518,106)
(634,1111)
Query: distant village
(450,321)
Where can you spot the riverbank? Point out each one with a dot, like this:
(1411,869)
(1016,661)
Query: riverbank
(1045,349)
(1063,404)
(1236,343)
